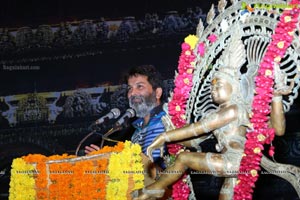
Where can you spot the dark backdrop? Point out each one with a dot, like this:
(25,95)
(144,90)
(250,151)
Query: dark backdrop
(108,67)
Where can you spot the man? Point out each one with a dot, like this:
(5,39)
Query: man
(145,97)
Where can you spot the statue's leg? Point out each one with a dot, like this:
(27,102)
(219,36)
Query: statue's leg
(185,160)
(290,173)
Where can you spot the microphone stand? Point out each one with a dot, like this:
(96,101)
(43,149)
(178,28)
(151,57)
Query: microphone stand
(80,143)
(108,133)
(104,137)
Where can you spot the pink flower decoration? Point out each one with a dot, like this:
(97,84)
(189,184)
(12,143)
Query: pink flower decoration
(271,151)
(201,49)
(174,148)
(281,40)
(185,46)
(177,108)
(212,38)
(181,190)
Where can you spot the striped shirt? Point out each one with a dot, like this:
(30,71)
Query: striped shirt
(144,135)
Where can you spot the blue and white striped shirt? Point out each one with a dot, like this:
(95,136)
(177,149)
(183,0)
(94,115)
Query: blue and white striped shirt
(144,135)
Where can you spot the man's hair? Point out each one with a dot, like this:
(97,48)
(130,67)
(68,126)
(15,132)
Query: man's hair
(154,77)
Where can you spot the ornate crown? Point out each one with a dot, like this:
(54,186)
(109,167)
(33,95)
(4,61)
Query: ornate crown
(254,26)
(233,57)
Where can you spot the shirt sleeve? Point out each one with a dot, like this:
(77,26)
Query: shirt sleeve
(151,135)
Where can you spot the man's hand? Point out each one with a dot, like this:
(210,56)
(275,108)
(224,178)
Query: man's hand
(91,148)
(158,143)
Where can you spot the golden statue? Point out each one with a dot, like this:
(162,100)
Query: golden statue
(228,123)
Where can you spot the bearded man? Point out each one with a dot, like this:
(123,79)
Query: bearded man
(145,90)
(144,95)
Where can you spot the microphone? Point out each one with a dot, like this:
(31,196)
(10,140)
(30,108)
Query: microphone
(118,125)
(128,114)
(114,113)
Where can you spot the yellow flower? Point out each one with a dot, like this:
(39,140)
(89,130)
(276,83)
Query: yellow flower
(186,81)
(22,181)
(253,172)
(287,19)
(257,150)
(121,167)
(191,40)
(261,137)
(189,71)
(268,72)
(183,117)
(291,33)
(280,44)
(136,149)
(277,59)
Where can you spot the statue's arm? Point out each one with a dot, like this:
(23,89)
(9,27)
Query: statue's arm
(277,117)
(209,123)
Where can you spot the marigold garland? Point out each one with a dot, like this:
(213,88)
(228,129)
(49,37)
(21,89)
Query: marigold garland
(83,179)
(261,134)
(22,182)
(119,170)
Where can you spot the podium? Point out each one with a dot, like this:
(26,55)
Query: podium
(110,173)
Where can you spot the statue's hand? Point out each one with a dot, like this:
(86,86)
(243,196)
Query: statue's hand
(281,87)
(158,143)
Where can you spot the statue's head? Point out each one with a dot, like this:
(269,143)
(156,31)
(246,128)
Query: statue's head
(228,75)
(221,90)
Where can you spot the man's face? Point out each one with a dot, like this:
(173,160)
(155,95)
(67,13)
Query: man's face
(141,96)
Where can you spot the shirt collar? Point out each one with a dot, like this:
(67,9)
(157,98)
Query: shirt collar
(139,122)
